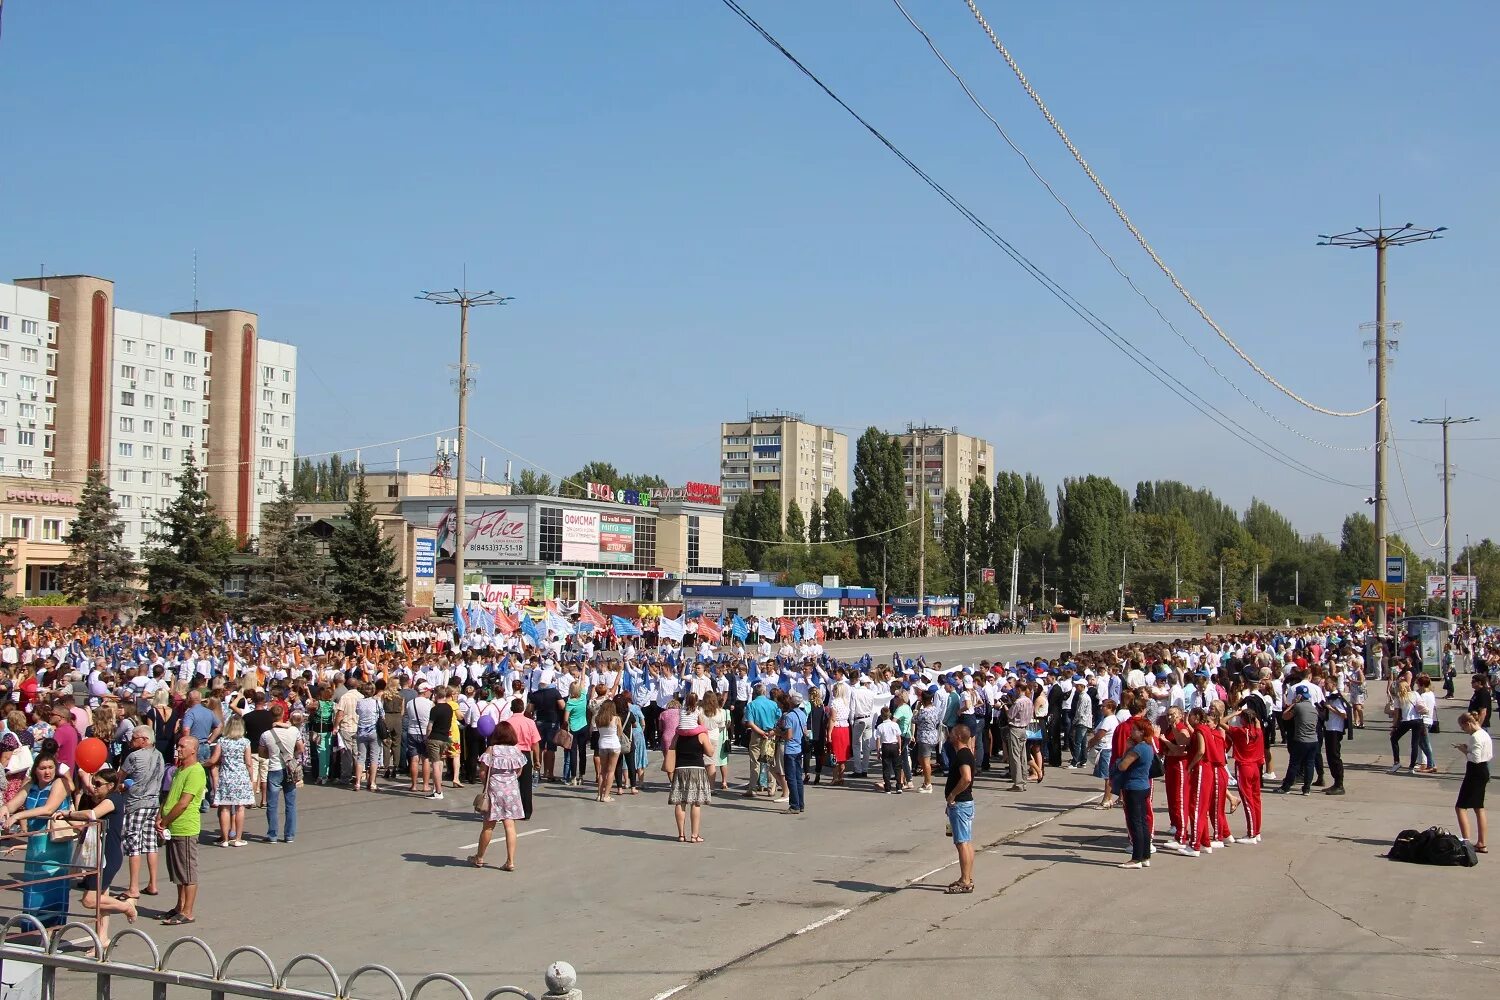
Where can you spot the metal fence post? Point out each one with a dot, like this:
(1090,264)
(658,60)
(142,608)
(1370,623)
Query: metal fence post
(562,983)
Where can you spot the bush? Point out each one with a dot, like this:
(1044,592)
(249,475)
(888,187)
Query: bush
(49,601)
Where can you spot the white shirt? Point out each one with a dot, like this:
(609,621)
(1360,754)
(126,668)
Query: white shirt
(1480,748)
(888,732)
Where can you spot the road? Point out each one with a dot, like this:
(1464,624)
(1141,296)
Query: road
(845,901)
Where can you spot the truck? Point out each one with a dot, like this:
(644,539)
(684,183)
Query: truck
(1180,609)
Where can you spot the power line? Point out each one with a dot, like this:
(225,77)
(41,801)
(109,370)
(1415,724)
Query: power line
(1139,238)
(1118,340)
(833,541)
(973,99)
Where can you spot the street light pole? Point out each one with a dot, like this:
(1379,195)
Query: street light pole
(462,381)
(1381,238)
(1445,423)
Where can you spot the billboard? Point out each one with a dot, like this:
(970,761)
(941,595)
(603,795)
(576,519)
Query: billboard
(493,532)
(580,535)
(616,538)
(1465,588)
(425,560)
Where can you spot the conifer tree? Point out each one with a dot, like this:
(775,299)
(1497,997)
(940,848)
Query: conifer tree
(101,572)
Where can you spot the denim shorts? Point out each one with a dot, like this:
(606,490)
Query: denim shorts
(1101,766)
(961,819)
(416,746)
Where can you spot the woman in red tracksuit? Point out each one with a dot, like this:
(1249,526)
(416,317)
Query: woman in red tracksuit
(1215,740)
(1247,739)
(1200,777)
(1176,738)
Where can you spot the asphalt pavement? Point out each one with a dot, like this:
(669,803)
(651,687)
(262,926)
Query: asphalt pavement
(846,900)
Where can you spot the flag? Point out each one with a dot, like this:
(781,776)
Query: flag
(460,620)
(586,613)
(786,628)
(529,630)
(766,628)
(818,631)
(229,632)
(740,628)
(710,631)
(624,626)
(558,624)
(667,628)
(506,624)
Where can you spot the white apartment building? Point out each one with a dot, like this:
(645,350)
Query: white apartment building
(947,460)
(275,435)
(28,383)
(803,461)
(159,395)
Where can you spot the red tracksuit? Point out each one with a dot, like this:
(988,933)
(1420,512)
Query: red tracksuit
(1176,769)
(1200,794)
(1214,741)
(1249,758)
(1118,747)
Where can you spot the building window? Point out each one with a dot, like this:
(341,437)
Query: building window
(549,535)
(52,361)
(768,439)
(30,355)
(127,424)
(129,347)
(28,326)
(148,426)
(738,456)
(24,466)
(188,406)
(150,350)
(166,456)
(187,430)
(125,501)
(286,399)
(148,451)
(168,353)
(127,398)
(265,440)
(26,437)
(51,334)
(127,371)
(266,395)
(20,527)
(167,380)
(189,383)
(694,533)
(286,374)
(28,383)
(190,357)
(126,449)
(738,439)
(4,322)
(645,541)
(150,374)
(51,529)
(48,580)
(149,401)
(804,609)
(4,348)
(267,373)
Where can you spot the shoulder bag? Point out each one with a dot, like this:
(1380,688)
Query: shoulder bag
(290,767)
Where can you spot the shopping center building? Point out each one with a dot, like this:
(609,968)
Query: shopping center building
(620,548)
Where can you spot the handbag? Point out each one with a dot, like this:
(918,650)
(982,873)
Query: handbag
(627,736)
(482,802)
(87,853)
(1158,769)
(60,830)
(290,768)
(563,740)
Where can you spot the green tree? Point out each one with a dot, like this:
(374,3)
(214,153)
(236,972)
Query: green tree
(979,527)
(1484,557)
(367,582)
(1271,528)
(835,517)
(815,523)
(323,481)
(101,572)
(288,583)
(8,603)
(533,483)
(1357,550)
(188,554)
(879,507)
(1092,522)
(955,538)
(796,526)
(755,521)
(1163,549)
(642,482)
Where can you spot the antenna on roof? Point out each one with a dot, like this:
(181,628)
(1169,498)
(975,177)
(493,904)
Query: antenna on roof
(195,285)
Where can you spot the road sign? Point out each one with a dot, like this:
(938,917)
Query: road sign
(1395,569)
(1371,590)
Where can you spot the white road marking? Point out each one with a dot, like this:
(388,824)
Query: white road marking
(928,875)
(672,992)
(836,914)
(526,833)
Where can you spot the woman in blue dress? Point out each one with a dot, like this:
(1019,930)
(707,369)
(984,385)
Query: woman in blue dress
(45,858)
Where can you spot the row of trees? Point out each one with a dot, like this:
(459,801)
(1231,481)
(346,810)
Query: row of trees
(1075,547)
(192,553)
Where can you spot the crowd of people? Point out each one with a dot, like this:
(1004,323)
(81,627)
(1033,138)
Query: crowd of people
(217,724)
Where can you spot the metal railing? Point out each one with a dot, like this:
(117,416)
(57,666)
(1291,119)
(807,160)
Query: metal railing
(87,955)
(70,873)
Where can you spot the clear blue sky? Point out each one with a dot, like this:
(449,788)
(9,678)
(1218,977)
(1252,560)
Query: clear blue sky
(687,224)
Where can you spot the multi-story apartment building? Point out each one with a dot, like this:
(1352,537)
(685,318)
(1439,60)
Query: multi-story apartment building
(133,391)
(803,461)
(946,460)
(28,383)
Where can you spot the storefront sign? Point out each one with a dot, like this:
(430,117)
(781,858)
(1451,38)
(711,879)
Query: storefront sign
(809,591)
(636,574)
(425,562)
(692,493)
(616,539)
(580,535)
(40,496)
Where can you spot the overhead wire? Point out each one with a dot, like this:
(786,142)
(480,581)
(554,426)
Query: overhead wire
(1113,262)
(1406,489)
(1118,340)
(1139,237)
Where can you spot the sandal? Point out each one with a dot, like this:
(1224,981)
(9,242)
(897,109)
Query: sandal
(177,921)
(507,867)
(476,861)
(959,888)
(682,839)
(1481,849)
(695,840)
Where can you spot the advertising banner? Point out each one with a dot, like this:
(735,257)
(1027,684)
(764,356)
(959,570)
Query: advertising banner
(616,534)
(580,535)
(425,558)
(493,533)
(1465,588)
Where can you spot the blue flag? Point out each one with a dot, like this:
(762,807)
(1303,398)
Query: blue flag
(460,622)
(624,626)
(529,629)
(740,628)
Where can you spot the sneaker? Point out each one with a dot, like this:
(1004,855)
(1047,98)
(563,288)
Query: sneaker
(1319,782)
(1133,864)
(1269,776)
(780,798)
(1145,864)
(1307,791)
(289,841)
(1215,843)
(436,795)
(1153,848)
(896,792)
(925,791)
(1335,790)
(242,843)
(1187,852)
(1230,839)
(1207,850)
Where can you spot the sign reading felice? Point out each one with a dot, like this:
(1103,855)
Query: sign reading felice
(691,493)
(493,532)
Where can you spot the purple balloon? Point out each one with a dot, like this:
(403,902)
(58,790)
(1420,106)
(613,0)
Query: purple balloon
(486,726)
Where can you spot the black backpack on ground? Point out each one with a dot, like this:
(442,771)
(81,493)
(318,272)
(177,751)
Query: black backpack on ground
(1433,846)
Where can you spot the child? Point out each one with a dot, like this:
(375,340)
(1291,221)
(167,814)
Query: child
(888,735)
(1478,751)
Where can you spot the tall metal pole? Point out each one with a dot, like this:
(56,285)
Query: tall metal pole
(921,530)
(463,380)
(1220,608)
(1445,423)
(1381,238)
(1122,585)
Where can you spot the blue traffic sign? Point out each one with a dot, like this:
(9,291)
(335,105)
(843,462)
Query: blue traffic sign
(1395,569)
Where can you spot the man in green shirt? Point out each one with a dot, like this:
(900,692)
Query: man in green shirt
(902,716)
(181,818)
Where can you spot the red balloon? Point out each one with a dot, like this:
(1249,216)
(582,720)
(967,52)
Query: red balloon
(92,755)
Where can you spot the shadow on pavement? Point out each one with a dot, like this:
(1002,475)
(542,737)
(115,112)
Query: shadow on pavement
(605,831)
(436,860)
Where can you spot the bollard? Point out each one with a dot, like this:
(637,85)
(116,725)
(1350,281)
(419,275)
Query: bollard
(562,983)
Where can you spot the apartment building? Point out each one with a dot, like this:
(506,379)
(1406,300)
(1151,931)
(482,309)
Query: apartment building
(803,461)
(28,383)
(132,391)
(944,459)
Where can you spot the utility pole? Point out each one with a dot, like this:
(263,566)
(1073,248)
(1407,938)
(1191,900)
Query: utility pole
(921,467)
(1257,583)
(1381,238)
(1177,579)
(1445,423)
(462,381)
(1122,585)
(1297,588)
(1220,608)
